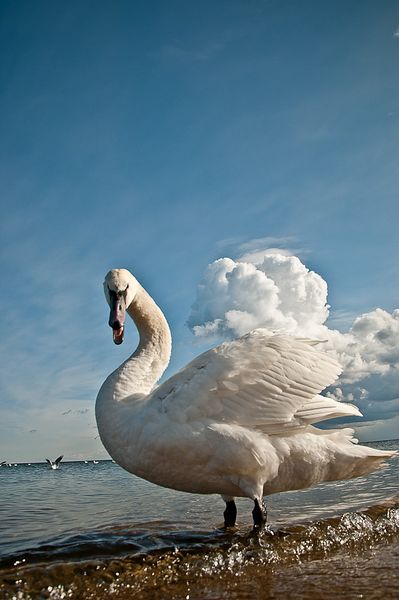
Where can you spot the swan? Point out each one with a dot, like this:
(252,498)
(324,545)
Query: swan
(237,421)
(56,464)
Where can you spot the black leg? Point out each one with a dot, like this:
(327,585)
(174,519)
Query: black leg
(259,514)
(230,514)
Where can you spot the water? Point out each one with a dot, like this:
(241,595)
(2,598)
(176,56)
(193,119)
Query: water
(95,531)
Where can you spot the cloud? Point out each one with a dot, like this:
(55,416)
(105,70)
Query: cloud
(79,411)
(274,290)
(255,250)
(372,345)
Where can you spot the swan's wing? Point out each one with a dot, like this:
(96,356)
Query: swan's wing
(321,408)
(59,459)
(258,380)
(49,462)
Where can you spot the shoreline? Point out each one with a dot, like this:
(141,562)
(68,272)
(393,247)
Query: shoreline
(322,559)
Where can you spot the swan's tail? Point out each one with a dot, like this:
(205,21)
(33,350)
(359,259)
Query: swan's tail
(351,459)
(323,455)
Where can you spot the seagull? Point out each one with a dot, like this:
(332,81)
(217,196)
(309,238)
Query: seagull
(56,464)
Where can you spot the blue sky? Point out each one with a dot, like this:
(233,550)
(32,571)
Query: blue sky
(161,137)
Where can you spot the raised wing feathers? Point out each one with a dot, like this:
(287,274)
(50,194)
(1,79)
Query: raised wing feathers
(258,380)
(321,408)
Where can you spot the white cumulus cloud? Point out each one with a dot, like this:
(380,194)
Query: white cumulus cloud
(274,290)
(268,290)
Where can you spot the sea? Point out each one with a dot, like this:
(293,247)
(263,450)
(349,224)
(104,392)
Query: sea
(92,530)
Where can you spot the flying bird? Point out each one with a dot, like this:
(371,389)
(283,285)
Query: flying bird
(237,421)
(56,464)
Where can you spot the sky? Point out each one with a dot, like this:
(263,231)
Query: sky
(239,157)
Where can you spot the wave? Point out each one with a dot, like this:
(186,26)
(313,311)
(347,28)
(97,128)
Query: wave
(138,560)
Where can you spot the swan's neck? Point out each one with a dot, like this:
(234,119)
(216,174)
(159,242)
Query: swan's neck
(139,373)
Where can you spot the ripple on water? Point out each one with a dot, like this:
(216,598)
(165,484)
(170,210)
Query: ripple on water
(202,565)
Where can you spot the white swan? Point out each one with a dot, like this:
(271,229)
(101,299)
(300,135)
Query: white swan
(236,421)
(56,464)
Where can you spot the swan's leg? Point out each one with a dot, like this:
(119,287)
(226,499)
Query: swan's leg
(254,489)
(230,513)
(259,514)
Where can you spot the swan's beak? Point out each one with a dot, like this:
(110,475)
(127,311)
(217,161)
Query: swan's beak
(117,317)
(118,335)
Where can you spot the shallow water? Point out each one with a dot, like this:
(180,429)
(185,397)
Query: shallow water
(91,531)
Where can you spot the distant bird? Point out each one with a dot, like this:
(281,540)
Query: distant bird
(56,464)
(4,463)
(95,462)
(236,421)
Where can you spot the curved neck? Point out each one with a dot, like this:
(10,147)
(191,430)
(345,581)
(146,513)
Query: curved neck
(139,373)
(152,326)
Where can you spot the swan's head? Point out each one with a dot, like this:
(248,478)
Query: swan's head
(120,288)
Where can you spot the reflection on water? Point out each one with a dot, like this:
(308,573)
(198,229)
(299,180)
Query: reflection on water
(88,531)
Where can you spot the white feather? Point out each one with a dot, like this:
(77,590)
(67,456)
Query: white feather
(256,381)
